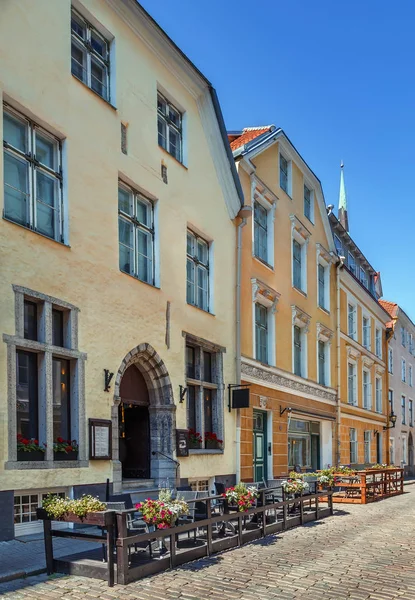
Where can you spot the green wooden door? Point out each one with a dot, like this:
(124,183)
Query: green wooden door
(260,445)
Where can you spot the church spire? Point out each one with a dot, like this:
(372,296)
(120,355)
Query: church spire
(342,212)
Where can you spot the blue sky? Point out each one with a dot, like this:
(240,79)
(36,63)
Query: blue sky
(339,78)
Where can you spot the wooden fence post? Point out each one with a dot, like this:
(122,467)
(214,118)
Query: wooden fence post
(110,518)
(284,510)
(47,529)
(317,507)
(330,497)
(301,509)
(209,528)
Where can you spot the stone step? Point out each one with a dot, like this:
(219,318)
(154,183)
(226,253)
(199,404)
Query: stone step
(137,484)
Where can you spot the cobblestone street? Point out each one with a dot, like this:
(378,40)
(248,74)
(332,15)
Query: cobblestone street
(362,552)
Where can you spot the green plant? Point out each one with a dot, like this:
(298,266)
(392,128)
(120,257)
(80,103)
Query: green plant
(163,513)
(28,445)
(294,486)
(295,475)
(56,507)
(66,446)
(194,437)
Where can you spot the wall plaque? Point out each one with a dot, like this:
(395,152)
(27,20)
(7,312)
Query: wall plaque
(100,439)
(240,398)
(182,442)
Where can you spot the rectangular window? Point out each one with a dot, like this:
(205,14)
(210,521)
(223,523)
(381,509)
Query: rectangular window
(353,445)
(204,368)
(339,245)
(403,337)
(392,450)
(351,321)
(297,265)
(260,232)
(25,505)
(363,277)
(403,369)
(169,124)
(378,400)
(321,286)
(322,363)
(283,174)
(61,399)
(411,343)
(404,450)
(378,342)
(199,485)
(403,410)
(367,440)
(27,403)
(197,271)
(261,333)
(390,400)
(352,390)
(57,328)
(411,414)
(351,263)
(30,320)
(190,362)
(90,56)
(367,392)
(390,360)
(32,176)
(136,234)
(410,375)
(307,203)
(297,351)
(366,332)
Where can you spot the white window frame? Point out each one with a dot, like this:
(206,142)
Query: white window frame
(378,394)
(404,450)
(310,189)
(378,342)
(288,191)
(392,450)
(35,525)
(92,55)
(353,440)
(411,343)
(391,401)
(411,412)
(301,320)
(259,198)
(410,375)
(324,335)
(367,438)
(269,300)
(179,130)
(403,336)
(339,245)
(33,168)
(300,234)
(366,331)
(403,409)
(352,269)
(353,364)
(207,267)
(363,277)
(403,370)
(352,334)
(390,360)
(366,389)
(323,259)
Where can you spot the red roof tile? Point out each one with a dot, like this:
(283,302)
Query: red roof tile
(390,307)
(249,134)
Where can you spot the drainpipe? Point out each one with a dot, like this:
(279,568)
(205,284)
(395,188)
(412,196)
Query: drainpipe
(243,214)
(339,266)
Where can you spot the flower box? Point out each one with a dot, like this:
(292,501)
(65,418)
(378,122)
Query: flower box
(212,445)
(194,445)
(93,518)
(22,455)
(72,455)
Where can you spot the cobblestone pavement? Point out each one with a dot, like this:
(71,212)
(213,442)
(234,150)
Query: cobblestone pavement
(361,552)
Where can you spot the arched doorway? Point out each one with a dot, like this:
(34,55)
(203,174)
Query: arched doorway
(143,398)
(134,425)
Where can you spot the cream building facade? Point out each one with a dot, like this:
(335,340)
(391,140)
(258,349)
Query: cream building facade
(117,255)
(401,365)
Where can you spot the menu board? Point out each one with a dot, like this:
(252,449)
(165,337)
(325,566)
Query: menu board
(99,439)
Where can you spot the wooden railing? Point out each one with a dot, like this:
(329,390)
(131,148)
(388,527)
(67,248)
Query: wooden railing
(367,486)
(210,535)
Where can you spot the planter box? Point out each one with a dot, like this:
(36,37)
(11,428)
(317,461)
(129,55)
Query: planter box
(66,455)
(35,455)
(194,445)
(212,445)
(95,518)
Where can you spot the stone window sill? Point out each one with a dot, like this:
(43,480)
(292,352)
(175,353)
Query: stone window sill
(205,451)
(45,464)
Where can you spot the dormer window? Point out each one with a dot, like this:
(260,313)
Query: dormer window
(363,277)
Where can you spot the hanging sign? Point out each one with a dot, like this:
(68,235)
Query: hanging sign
(182,442)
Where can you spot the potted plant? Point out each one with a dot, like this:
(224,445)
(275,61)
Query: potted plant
(164,512)
(195,439)
(87,509)
(29,449)
(212,442)
(241,496)
(65,449)
(294,486)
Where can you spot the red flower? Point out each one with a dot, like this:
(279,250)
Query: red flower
(59,440)
(68,449)
(25,441)
(36,442)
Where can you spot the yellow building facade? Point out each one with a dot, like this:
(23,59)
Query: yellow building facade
(117,257)
(288,310)
(362,357)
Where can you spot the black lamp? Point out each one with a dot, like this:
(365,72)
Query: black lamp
(392,419)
